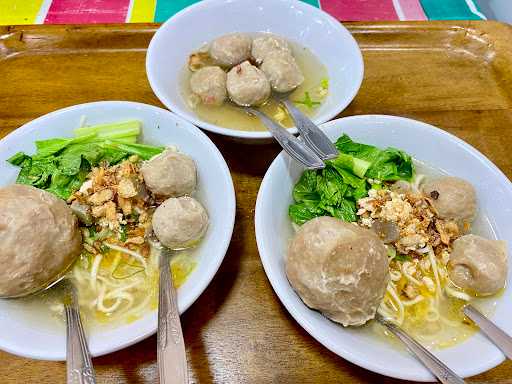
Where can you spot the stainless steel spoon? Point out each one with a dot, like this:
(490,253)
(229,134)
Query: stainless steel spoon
(502,340)
(171,356)
(78,358)
(432,363)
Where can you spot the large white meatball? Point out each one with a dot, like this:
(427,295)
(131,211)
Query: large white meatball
(209,84)
(339,269)
(247,85)
(478,264)
(452,197)
(170,174)
(180,222)
(264,46)
(39,237)
(232,49)
(282,71)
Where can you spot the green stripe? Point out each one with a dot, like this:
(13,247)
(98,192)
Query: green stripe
(167,8)
(448,10)
(315,3)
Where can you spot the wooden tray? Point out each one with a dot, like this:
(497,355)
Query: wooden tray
(455,75)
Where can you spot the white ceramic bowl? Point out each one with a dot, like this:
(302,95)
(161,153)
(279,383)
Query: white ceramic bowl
(426,143)
(295,20)
(40,338)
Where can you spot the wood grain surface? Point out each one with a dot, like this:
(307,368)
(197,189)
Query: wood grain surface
(455,75)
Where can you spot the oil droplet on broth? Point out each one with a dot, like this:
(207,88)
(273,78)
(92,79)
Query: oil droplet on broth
(230,116)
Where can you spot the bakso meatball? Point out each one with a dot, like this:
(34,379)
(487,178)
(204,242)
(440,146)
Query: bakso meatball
(452,197)
(264,46)
(232,49)
(170,174)
(282,71)
(180,222)
(40,239)
(478,264)
(209,84)
(247,85)
(339,269)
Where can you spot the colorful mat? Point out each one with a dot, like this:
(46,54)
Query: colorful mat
(137,11)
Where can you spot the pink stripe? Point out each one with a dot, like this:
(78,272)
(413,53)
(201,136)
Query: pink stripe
(412,10)
(87,11)
(355,10)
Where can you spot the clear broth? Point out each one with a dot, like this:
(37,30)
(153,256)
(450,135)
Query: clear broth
(229,116)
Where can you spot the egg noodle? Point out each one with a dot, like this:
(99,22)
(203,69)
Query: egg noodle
(419,296)
(118,283)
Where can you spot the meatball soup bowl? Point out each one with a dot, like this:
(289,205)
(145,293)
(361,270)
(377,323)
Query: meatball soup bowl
(306,28)
(280,243)
(30,326)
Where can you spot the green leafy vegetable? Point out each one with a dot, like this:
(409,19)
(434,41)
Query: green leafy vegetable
(61,165)
(307,101)
(324,83)
(387,165)
(327,192)
(401,257)
(122,233)
(335,190)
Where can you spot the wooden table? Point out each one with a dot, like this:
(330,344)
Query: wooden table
(455,75)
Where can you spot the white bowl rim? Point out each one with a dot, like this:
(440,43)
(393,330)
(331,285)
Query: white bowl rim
(19,132)
(344,351)
(234,132)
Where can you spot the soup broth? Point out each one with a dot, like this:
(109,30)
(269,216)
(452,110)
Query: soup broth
(230,116)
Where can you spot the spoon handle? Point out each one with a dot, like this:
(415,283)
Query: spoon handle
(502,340)
(312,135)
(434,365)
(78,359)
(292,146)
(171,357)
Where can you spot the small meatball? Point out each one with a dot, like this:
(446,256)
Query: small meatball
(170,174)
(453,198)
(478,264)
(247,85)
(209,83)
(180,222)
(232,49)
(264,46)
(283,72)
(40,239)
(339,269)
